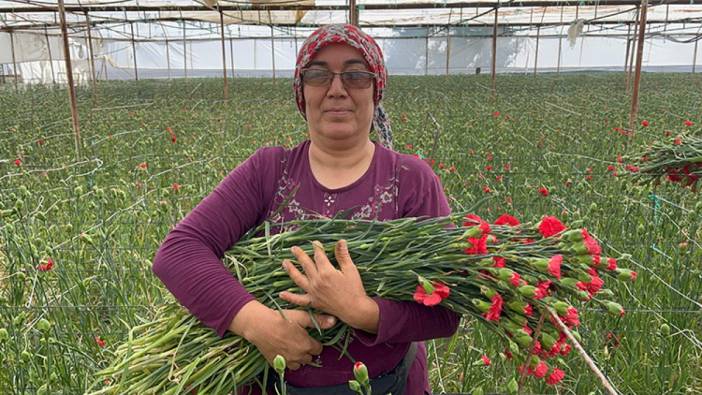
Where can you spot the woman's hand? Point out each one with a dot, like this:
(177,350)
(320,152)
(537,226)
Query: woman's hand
(272,334)
(338,292)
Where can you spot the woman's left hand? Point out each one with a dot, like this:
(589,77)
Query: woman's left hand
(338,292)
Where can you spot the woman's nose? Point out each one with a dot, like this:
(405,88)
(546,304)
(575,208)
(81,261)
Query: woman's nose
(336,86)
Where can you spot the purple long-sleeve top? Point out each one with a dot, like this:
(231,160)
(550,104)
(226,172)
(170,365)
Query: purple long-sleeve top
(395,185)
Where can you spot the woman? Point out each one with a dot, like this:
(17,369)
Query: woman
(339,82)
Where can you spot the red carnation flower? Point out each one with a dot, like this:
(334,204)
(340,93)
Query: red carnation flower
(486,360)
(18,162)
(495,114)
(100,342)
(528,310)
(515,280)
(554,266)
(688,122)
(495,309)
(45,267)
(611,264)
(473,220)
(557,375)
(540,370)
(550,226)
(677,141)
(507,167)
(593,247)
(479,246)
(175,187)
(543,191)
(486,189)
(571,318)
(506,219)
(645,123)
(499,261)
(441,292)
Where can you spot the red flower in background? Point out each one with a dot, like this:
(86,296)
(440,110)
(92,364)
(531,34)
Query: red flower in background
(45,267)
(496,114)
(556,376)
(507,167)
(677,141)
(593,247)
(175,187)
(688,123)
(495,309)
(550,226)
(486,360)
(543,191)
(645,123)
(100,342)
(506,219)
(18,162)
(441,292)
(528,310)
(516,279)
(540,370)
(571,318)
(554,266)
(486,189)
(143,166)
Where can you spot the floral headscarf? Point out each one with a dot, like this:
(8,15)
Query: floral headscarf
(353,36)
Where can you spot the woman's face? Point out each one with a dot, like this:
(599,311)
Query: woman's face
(335,112)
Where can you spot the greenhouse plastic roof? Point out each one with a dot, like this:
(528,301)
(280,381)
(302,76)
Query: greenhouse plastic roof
(30,14)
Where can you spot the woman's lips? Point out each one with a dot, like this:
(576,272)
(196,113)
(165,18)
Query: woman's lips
(338,112)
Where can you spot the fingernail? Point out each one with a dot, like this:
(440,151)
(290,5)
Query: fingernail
(330,320)
(317,244)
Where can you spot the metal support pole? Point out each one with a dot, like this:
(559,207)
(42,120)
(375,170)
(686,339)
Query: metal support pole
(69,79)
(231,56)
(353,13)
(224,57)
(426,53)
(273,53)
(694,57)
(639,58)
(560,45)
(136,73)
(168,59)
(536,55)
(51,62)
(628,46)
(14,62)
(185,48)
(90,49)
(631,55)
(448,48)
(494,55)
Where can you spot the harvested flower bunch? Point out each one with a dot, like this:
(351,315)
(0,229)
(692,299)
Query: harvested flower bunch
(679,160)
(505,274)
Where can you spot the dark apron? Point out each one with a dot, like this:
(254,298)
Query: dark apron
(392,382)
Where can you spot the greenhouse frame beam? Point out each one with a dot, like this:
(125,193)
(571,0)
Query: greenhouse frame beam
(78,25)
(639,59)
(412,6)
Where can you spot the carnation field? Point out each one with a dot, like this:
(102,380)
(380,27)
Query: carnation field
(549,145)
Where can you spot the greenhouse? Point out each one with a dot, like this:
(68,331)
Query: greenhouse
(494,197)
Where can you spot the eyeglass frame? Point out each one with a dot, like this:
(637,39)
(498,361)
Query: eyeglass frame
(340,74)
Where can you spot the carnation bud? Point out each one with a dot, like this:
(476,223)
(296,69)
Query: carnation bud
(279,364)
(561,307)
(665,330)
(426,284)
(4,335)
(44,325)
(569,282)
(360,372)
(478,391)
(487,291)
(593,206)
(614,308)
(354,386)
(540,264)
(472,232)
(572,234)
(626,274)
(576,335)
(527,291)
(547,340)
(523,340)
(481,304)
(512,386)
(26,356)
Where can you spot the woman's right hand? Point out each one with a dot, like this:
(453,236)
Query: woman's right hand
(272,334)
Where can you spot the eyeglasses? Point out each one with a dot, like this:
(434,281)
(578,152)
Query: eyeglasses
(350,79)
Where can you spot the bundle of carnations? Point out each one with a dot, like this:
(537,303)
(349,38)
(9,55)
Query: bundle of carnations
(506,274)
(679,160)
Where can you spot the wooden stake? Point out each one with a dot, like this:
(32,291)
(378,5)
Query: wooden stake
(590,363)
(90,50)
(185,58)
(639,57)
(168,59)
(48,48)
(69,79)
(136,73)
(14,62)
(694,57)
(224,57)
(448,47)
(231,55)
(493,72)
